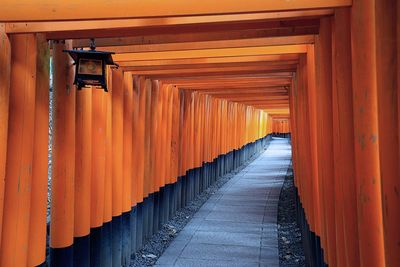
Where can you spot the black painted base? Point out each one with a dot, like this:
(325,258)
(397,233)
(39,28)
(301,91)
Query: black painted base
(311,242)
(115,242)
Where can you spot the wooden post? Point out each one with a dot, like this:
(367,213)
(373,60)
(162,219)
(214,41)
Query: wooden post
(313,135)
(18,178)
(83,162)
(344,138)
(323,44)
(5,66)
(127,167)
(388,119)
(365,105)
(99,147)
(175,137)
(127,141)
(337,187)
(135,144)
(117,164)
(83,174)
(107,216)
(63,173)
(38,219)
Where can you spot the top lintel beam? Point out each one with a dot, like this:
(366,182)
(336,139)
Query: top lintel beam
(50,10)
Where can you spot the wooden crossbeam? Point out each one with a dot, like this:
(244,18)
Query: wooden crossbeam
(219,60)
(212,53)
(114,38)
(91,25)
(251,42)
(48,10)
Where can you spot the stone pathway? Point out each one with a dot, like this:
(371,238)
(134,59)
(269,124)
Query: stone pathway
(237,225)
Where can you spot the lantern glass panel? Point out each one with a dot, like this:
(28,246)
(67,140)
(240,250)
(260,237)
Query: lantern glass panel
(90,66)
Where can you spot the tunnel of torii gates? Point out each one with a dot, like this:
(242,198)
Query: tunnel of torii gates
(201,86)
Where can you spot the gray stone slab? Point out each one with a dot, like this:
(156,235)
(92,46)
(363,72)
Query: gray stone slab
(227,238)
(236,217)
(220,252)
(172,253)
(182,262)
(234,227)
(237,225)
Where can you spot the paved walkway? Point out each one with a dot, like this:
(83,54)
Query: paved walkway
(237,226)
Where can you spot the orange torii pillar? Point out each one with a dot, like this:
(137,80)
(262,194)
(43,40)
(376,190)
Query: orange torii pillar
(5,66)
(117,163)
(63,164)
(98,180)
(136,185)
(106,233)
(312,105)
(323,48)
(139,151)
(127,168)
(346,196)
(83,174)
(23,175)
(387,39)
(367,169)
(375,94)
(161,151)
(147,157)
(38,219)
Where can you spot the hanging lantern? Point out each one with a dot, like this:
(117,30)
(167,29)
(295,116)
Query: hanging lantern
(91,67)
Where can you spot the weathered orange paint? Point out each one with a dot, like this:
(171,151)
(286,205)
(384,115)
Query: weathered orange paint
(388,119)
(344,137)
(127,142)
(107,215)
(63,165)
(117,140)
(366,133)
(5,66)
(98,150)
(19,161)
(83,163)
(38,218)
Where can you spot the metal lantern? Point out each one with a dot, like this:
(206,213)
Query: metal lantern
(91,66)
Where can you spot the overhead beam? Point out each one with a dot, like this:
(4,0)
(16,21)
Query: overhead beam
(90,25)
(218,60)
(230,86)
(161,37)
(211,53)
(48,10)
(248,81)
(215,65)
(170,74)
(270,27)
(265,41)
(275,90)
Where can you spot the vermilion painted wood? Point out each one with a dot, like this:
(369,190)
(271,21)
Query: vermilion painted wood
(38,218)
(83,186)
(127,142)
(388,118)
(19,160)
(63,163)
(117,140)
(5,63)
(365,105)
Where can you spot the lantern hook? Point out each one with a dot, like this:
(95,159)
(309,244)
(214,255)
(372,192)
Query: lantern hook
(92,44)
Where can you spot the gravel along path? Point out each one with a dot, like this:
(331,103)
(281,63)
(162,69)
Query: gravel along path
(291,253)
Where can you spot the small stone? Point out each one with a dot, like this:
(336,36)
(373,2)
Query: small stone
(151,256)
